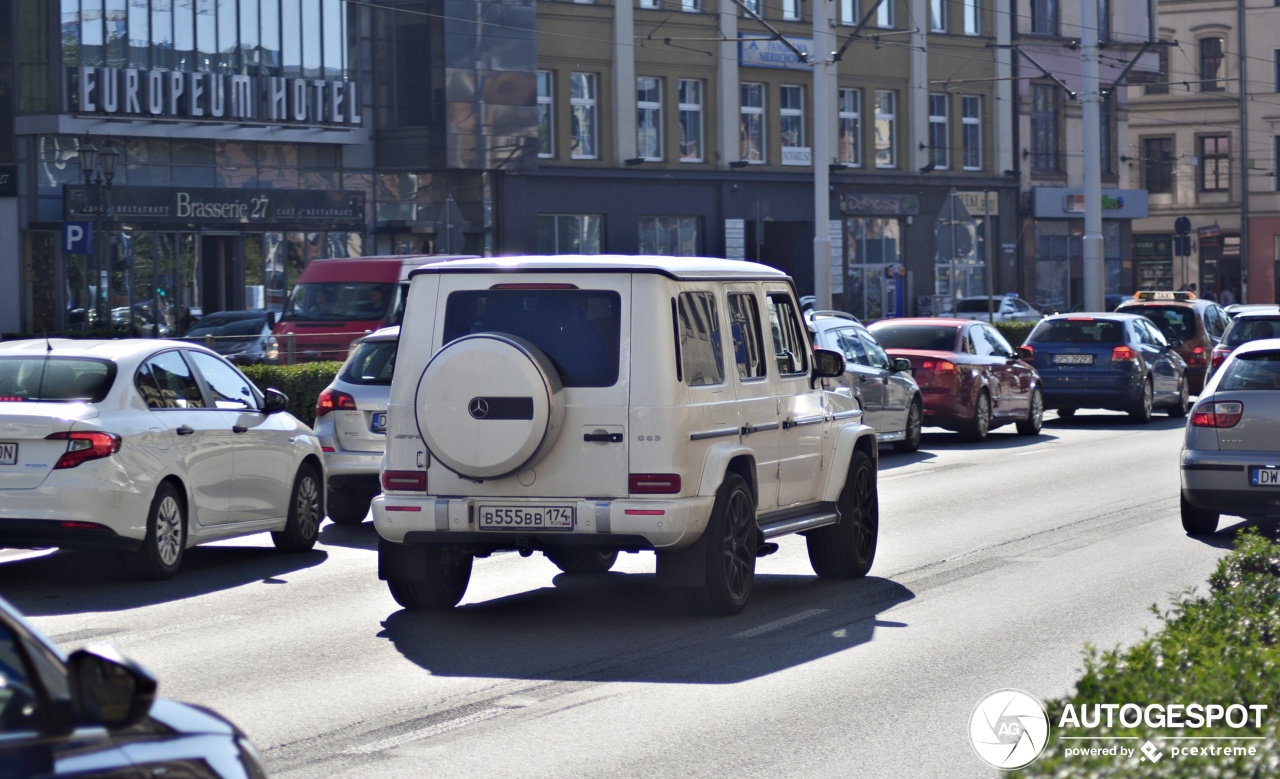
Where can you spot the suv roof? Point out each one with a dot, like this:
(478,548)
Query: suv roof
(680,268)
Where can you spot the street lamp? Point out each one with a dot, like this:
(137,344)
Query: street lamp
(99,169)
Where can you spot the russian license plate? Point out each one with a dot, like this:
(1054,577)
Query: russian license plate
(8,453)
(1073,359)
(1264,476)
(526,517)
(378,424)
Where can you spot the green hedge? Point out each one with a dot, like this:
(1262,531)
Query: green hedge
(1015,332)
(1221,649)
(303,383)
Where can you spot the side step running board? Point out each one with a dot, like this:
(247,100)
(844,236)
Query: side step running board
(798,524)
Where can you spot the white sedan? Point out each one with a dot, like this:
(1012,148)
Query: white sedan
(150,447)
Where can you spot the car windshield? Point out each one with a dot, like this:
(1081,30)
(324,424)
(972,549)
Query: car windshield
(1078,331)
(1174,321)
(936,338)
(1251,329)
(1254,371)
(976,305)
(345,301)
(371,363)
(576,328)
(225,326)
(62,379)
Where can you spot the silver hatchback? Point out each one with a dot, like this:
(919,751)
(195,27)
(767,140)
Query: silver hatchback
(1230,459)
(351,421)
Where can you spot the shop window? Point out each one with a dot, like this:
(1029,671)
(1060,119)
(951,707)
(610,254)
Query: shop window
(570,233)
(675,236)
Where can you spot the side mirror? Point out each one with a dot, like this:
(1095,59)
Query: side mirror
(827,364)
(1025,354)
(274,401)
(109,689)
(901,365)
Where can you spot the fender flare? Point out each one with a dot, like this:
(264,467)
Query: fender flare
(716,464)
(847,442)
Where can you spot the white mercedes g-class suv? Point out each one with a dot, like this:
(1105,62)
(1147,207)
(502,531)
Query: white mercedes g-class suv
(583,406)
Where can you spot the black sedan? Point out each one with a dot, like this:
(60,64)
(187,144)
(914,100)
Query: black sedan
(243,337)
(95,715)
(1111,361)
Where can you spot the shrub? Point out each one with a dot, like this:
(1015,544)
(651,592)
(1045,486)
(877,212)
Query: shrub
(1221,649)
(1015,332)
(303,383)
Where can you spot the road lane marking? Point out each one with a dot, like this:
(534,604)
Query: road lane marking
(779,623)
(427,732)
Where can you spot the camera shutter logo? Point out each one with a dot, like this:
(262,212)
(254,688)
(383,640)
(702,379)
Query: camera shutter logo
(1009,729)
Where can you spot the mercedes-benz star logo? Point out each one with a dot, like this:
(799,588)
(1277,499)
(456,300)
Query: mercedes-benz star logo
(478,408)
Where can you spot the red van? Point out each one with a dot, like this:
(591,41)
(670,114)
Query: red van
(340,299)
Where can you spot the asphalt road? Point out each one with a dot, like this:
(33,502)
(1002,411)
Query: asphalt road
(997,563)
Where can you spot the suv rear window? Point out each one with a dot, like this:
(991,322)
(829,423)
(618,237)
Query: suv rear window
(54,379)
(1174,321)
(577,329)
(1078,331)
(371,363)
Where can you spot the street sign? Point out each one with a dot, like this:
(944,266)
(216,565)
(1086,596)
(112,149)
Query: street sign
(1182,226)
(1182,245)
(77,237)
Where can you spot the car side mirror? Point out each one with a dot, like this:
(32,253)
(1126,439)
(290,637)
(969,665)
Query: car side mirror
(109,689)
(827,364)
(901,365)
(1025,354)
(274,401)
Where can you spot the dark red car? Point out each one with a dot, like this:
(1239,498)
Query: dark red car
(971,379)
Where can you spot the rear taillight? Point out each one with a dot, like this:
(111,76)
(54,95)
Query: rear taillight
(1225,413)
(333,400)
(85,446)
(405,481)
(939,367)
(1219,355)
(1029,352)
(1123,354)
(1197,356)
(653,483)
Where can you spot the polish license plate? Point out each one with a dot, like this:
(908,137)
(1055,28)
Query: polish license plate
(1264,476)
(1073,359)
(8,453)
(378,424)
(525,517)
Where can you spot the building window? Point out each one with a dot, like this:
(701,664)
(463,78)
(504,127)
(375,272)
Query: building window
(1044,17)
(1161,85)
(1215,163)
(884,14)
(972,18)
(546,125)
(886,129)
(690,6)
(1104,20)
(1157,165)
(690,120)
(1106,134)
(583,133)
(939,147)
(938,15)
(753,5)
(649,118)
(672,236)
(849,12)
(971,110)
(850,128)
(791,9)
(1212,65)
(792,110)
(570,233)
(1044,128)
(648,3)
(751,126)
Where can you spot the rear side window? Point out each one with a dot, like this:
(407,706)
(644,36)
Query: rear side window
(62,379)
(744,323)
(1257,371)
(578,329)
(371,363)
(166,381)
(927,338)
(788,336)
(701,360)
(1078,331)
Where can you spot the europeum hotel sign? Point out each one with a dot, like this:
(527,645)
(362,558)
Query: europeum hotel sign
(171,94)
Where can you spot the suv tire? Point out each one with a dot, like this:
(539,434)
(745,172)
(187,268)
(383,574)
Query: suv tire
(583,561)
(447,574)
(732,539)
(348,507)
(847,549)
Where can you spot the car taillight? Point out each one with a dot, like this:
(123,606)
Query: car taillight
(405,481)
(333,400)
(1030,352)
(1225,413)
(939,367)
(84,446)
(653,483)
(1219,355)
(1197,356)
(1123,353)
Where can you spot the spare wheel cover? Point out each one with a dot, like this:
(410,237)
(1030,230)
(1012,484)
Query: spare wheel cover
(488,405)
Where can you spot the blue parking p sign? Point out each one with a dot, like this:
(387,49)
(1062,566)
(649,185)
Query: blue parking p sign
(77,237)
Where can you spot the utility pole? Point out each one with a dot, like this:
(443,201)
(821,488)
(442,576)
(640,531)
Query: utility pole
(1090,97)
(1244,159)
(824,97)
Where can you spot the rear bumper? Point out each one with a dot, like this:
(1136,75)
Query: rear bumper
(41,533)
(607,523)
(1219,481)
(343,464)
(1112,390)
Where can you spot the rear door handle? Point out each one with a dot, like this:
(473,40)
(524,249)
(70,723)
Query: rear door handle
(239,429)
(185,430)
(604,438)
